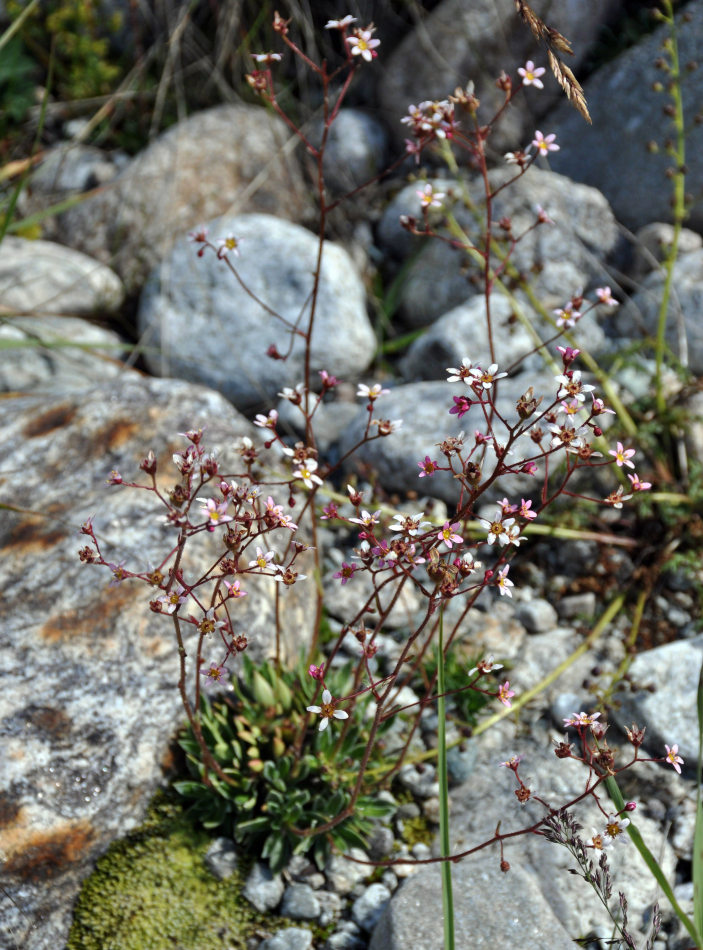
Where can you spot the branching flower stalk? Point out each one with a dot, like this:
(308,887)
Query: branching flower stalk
(246,510)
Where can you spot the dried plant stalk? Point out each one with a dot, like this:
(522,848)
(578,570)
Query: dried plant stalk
(556,43)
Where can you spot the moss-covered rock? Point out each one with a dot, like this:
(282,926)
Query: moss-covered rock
(152,891)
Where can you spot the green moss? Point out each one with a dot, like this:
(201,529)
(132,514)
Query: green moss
(416,831)
(152,891)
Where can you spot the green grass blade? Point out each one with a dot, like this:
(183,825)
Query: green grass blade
(653,864)
(698,836)
(447,893)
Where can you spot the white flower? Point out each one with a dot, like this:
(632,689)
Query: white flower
(306,471)
(327,710)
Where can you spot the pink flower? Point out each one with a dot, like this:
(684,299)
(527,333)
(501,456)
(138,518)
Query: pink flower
(214,675)
(448,534)
(346,572)
(317,672)
(428,467)
(366,520)
(327,710)
(235,590)
(340,24)
(362,44)
(173,599)
(567,316)
(504,584)
(328,381)
(638,485)
(525,510)
(266,422)
(605,297)
(429,198)
(199,236)
(581,720)
(622,456)
(216,513)
(461,406)
(531,73)
(512,762)
(545,144)
(329,511)
(505,693)
(673,758)
(262,560)
(371,393)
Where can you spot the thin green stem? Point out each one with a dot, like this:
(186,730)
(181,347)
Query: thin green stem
(679,202)
(447,894)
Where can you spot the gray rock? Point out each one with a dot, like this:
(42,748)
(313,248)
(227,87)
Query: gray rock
(367,909)
(380,842)
(343,601)
(355,151)
(181,181)
(564,706)
(72,169)
(347,937)
(621,165)
(425,407)
(536,615)
(343,875)
(554,903)
(221,858)
(461,761)
(421,780)
(576,606)
(292,938)
(414,915)
(463,333)
(652,243)
(50,278)
(209,329)
(60,354)
(459,41)
(684,330)
(666,713)
(568,255)
(331,907)
(263,889)
(300,903)
(83,748)
(331,419)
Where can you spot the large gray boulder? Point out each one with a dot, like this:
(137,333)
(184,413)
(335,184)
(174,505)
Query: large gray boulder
(57,354)
(89,698)
(684,327)
(43,277)
(210,329)
(228,158)
(613,154)
(557,259)
(460,41)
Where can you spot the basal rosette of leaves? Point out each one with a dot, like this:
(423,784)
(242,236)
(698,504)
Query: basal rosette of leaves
(277,793)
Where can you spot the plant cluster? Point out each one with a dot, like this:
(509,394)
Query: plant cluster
(284,762)
(275,794)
